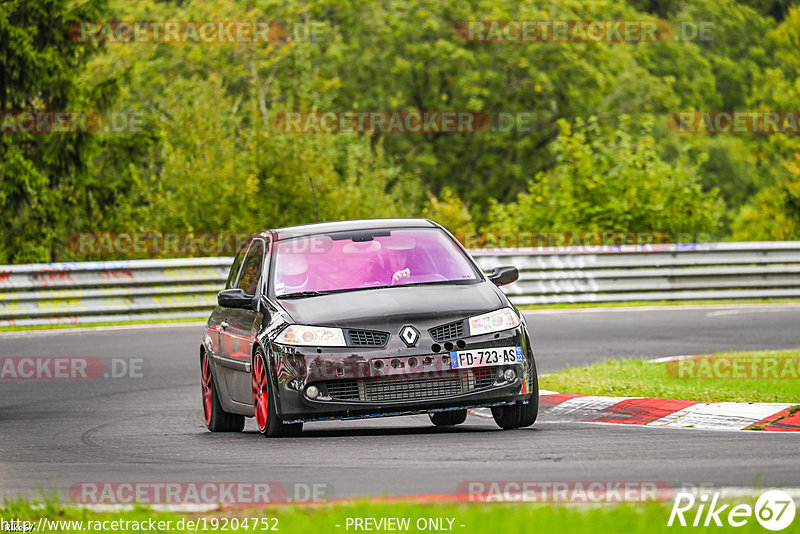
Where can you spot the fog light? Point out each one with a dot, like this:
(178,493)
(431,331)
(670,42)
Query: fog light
(509,375)
(312,392)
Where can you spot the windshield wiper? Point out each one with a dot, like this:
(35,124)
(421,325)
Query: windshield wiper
(303,294)
(435,283)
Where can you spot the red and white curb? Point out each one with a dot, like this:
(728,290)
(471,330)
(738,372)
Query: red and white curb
(670,413)
(667,413)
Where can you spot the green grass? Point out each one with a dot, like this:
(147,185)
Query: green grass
(92,325)
(477,518)
(637,303)
(634,378)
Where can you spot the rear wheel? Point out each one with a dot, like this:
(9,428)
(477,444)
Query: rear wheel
(266,414)
(519,415)
(216,419)
(449,418)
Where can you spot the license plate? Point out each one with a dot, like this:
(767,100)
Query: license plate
(463,359)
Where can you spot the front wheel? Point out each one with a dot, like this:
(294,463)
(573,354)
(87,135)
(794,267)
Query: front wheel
(216,419)
(266,413)
(519,415)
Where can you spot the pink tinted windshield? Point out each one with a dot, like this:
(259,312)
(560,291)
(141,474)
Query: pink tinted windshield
(404,257)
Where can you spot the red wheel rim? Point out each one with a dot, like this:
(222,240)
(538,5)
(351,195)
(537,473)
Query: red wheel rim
(205,366)
(260,392)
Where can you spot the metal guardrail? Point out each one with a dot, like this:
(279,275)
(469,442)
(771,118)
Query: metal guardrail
(93,292)
(750,270)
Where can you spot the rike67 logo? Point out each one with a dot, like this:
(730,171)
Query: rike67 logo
(774,510)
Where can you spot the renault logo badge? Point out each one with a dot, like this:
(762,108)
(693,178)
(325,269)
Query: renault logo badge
(409,335)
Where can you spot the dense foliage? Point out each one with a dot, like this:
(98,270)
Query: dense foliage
(587,147)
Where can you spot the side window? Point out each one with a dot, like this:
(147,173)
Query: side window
(251,269)
(237,262)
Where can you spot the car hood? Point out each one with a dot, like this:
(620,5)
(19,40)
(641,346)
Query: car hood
(382,308)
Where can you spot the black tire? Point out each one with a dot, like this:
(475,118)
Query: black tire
(448,418)
(519,415)
(216,419)
(264,407)
(293,430)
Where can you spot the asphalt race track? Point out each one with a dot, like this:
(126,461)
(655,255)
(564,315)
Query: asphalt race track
(55,433)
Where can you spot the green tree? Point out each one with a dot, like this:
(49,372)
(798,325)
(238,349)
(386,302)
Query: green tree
(774,212)
(219,164)
(450,211)
(410,56)
(209,158)
(610,181)
(51,184)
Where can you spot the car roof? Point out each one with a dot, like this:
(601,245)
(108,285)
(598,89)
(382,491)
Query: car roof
(305,230)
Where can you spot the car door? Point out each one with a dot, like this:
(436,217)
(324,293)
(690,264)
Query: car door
(219,317)
(242,325)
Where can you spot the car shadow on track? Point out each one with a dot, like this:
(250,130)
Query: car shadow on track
(419,431)
(362,431)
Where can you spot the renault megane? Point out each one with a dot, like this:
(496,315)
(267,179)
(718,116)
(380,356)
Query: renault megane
(360,319)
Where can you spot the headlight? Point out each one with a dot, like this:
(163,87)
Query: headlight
(495,321)
(311,336)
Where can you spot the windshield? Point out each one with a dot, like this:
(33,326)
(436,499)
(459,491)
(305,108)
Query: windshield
(368,259)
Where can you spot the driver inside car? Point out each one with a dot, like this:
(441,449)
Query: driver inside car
(397,256)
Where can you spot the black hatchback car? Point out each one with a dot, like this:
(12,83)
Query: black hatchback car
(360,319)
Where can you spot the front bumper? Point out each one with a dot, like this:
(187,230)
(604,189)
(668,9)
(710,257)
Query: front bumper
(360,382)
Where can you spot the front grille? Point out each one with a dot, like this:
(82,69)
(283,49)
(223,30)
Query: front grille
(366,338)
(448,331)
(484,377)
(421,386)
(403,389)
(342,389)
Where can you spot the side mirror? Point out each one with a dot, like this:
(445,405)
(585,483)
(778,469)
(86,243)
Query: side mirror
(504,275)
(235,298)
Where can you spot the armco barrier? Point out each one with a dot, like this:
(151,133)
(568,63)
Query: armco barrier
(750,270)
(94,292)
